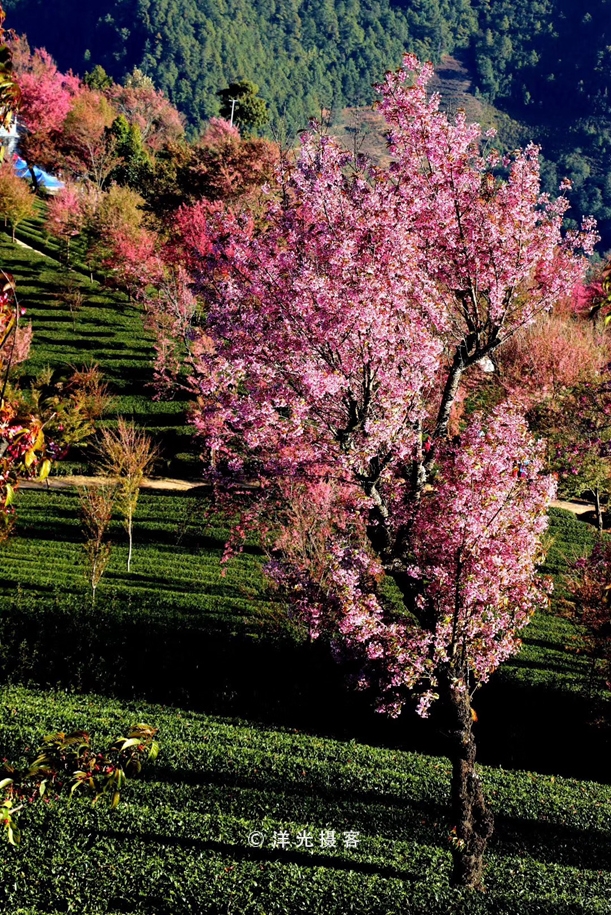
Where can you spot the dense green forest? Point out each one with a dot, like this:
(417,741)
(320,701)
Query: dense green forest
(303,54)
(546,62)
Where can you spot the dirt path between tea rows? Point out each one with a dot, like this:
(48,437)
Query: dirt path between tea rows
(578,508)
(167,484)
(164,484)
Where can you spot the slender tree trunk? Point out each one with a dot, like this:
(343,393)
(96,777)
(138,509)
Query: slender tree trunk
(129,534)
(449,393)
(33,177)
(591,677)
(599,512)
(472,821)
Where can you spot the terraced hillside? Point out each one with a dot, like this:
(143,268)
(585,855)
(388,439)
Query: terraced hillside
(107,331)
(238,818)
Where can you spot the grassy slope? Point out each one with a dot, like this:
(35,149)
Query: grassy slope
(174,556)
(179,843)
(177,630)
(544,659)
(177,561)
(109,332)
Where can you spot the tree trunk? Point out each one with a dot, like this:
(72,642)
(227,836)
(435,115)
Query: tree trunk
(591,677)
(599,512)
(33,177)
(131,542)
(473,823)
(449,394)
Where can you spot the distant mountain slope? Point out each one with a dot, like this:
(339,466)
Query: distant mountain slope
(546,54)
(304,54)
(548,63)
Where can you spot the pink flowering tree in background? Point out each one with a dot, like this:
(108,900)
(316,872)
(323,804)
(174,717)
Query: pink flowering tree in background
(171,311)
(47,95)
(87,145)
(339,330)
(148,109)
(23,449)
(129,254)
(548,358)
(577,427)
(66,215)
(557,369)
(593,298)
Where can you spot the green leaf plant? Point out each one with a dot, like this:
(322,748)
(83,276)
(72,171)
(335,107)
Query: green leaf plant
(67,763)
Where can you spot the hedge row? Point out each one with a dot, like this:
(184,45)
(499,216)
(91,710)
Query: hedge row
(180,841)
(177,630)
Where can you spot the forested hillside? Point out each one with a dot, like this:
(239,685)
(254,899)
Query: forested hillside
(303,54)
(548,62)
(546,54)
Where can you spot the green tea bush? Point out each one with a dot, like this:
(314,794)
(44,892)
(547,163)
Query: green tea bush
(180,841)
(177,630)
(108,331)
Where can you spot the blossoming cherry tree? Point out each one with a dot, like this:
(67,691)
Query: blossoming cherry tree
(339,329)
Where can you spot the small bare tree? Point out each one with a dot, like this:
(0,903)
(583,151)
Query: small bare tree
(97,504)
(72,297)
(126,454)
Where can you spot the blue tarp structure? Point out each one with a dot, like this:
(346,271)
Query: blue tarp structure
(44,179)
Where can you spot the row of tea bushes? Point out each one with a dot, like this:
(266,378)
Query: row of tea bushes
(196,835)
